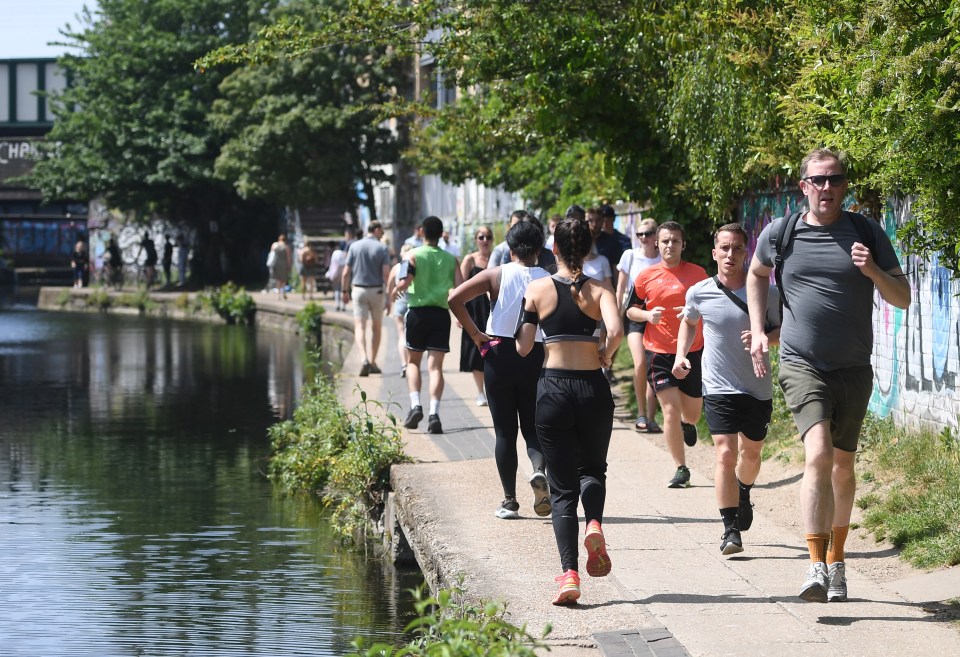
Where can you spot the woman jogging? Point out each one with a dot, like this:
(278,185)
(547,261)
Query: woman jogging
(479,309)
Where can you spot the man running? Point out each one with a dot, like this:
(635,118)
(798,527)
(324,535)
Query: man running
(828,276)
(662,290)
(737,403)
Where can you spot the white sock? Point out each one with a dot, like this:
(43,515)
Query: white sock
(414,399)
(434,407)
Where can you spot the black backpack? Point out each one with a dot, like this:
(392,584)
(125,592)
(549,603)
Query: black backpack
(866,234)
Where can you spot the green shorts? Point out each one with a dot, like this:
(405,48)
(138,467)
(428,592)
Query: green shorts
(840,396)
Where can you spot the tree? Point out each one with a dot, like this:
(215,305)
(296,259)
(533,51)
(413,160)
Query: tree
(307,130)
(133,126)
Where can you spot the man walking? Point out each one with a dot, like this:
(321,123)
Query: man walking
(827,278)
(364,279)
(662,290)
(427,278)
(737,403)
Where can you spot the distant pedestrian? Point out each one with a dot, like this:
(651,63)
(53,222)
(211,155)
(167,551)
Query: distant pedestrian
(737,404)
(511,381)
(338,257)
(428,279)
(148,247)
(280,264)
(307,259)
(364,279)
(632,262)
(832,261)
(167,261)
(501,252)
(183,256)
(574,403)
(80,262)
(478,308)
(398,308)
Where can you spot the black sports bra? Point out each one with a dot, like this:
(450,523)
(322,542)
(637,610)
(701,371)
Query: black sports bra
(567,322)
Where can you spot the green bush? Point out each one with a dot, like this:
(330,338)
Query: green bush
(231,303)
(344,454)
(310,321)
(141,300)
(448,625)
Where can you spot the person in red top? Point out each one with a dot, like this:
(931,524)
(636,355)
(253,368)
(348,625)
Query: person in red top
(661,290)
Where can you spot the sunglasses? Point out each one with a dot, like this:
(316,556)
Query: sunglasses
(819,182)
(648,233)
(484,238)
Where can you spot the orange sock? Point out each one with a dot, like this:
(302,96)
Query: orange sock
(837,539)
(817,544)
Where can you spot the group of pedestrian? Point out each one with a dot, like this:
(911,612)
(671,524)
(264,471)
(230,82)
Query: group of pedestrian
(541,326)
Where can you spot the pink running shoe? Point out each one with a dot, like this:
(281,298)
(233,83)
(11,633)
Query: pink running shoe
(569,591)
(598,561)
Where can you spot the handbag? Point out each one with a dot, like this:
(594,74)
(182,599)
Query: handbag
(271,258)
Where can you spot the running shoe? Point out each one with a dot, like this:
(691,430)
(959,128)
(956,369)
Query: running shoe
(365,369)
(569,591)
(689,433)
(837,590)
(744,515)
(481,399)
(414,417)
(509,509)
(374,369)
(403,371)
(815,585)
(598,561)
(541,494)
(731,543)
(433,424)
(681,479)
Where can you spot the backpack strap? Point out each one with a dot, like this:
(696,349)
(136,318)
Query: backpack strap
(864,231)
(733,297)
(783,240)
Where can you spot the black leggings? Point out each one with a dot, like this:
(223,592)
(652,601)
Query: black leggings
(574,422)
(511,384)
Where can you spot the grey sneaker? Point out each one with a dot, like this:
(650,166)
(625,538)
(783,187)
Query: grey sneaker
(731,543)
(681,479)
(815,585)
(837,591)
(509,509)
(689,433)
(541,494)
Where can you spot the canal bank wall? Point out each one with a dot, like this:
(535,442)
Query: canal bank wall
(671,592)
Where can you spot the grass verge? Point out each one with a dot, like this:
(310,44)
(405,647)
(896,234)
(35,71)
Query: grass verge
(448,624)
(345,454)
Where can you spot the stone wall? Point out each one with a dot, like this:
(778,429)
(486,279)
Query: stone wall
(916,353)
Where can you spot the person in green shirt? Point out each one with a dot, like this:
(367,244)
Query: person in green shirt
(427,278)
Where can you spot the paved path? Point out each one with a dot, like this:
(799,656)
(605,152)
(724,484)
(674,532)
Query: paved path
(671,592)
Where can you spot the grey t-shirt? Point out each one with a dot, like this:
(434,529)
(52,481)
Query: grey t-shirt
(726,364)
(367,257)
(829,322)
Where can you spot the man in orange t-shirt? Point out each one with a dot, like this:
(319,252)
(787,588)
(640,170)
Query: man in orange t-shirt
(662,289)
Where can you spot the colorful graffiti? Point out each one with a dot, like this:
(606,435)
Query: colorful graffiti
(916,354)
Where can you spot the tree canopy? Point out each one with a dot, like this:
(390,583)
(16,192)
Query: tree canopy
(687,104)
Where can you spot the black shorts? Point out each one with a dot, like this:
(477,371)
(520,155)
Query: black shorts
(738,413)
(660,373)
(634,327)
(427,328)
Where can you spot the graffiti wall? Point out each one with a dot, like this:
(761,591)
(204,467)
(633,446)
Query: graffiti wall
(916,353)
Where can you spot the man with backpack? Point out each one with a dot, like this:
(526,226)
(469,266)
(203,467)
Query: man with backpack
(828,262)
(736,403)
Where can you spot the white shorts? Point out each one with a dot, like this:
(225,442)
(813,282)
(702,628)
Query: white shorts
(367,302)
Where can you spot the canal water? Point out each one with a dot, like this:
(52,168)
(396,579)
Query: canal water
(135,518)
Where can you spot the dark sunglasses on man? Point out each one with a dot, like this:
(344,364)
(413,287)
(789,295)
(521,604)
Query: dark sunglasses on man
(819,182)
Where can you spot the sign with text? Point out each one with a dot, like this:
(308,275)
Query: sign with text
(17,155)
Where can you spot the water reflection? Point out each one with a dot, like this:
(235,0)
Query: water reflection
(135,516)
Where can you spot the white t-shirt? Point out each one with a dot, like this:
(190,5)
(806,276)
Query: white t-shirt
(632,262)
(598,268)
